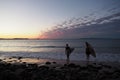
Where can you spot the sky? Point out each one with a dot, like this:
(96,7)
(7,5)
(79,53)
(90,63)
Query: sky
(59,19)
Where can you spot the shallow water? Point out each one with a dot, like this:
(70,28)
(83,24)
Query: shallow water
(106,49)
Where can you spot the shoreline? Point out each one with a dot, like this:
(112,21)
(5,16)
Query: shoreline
(51,69)
(58,61)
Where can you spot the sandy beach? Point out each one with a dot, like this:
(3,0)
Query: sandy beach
(49,69)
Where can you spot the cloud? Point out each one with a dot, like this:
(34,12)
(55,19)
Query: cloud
(108,26)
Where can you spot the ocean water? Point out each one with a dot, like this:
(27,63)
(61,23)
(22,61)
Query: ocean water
(106,49)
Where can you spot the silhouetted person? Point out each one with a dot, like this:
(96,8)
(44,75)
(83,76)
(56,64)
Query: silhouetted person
(68,51)
(89,51)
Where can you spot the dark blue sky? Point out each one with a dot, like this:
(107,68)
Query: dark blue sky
(95,18)
(58,18)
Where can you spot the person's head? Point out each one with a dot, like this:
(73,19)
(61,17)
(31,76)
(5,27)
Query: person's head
(67,45)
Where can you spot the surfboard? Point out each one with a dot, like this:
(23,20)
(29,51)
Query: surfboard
(71,50)
(91,50)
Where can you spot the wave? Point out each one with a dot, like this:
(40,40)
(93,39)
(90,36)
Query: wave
(47,55)
(42,46)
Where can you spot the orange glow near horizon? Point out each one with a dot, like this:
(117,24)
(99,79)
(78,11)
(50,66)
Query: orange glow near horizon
(19,36)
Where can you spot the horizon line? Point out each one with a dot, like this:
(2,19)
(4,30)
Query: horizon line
(54,38)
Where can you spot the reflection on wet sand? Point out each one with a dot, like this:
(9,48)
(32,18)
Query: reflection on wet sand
(28,69)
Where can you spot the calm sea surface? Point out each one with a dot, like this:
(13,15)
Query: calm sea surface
(106,49)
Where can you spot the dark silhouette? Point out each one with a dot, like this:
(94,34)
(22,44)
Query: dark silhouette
(30,71)
(89,51)
(68,51)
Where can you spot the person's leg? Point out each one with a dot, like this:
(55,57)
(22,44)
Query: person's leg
(87,59)
(68,59)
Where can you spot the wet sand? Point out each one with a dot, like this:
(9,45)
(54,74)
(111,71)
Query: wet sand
(49,69)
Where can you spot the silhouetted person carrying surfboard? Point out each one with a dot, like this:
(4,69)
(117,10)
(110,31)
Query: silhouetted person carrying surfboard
(68,51)
(89,51)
